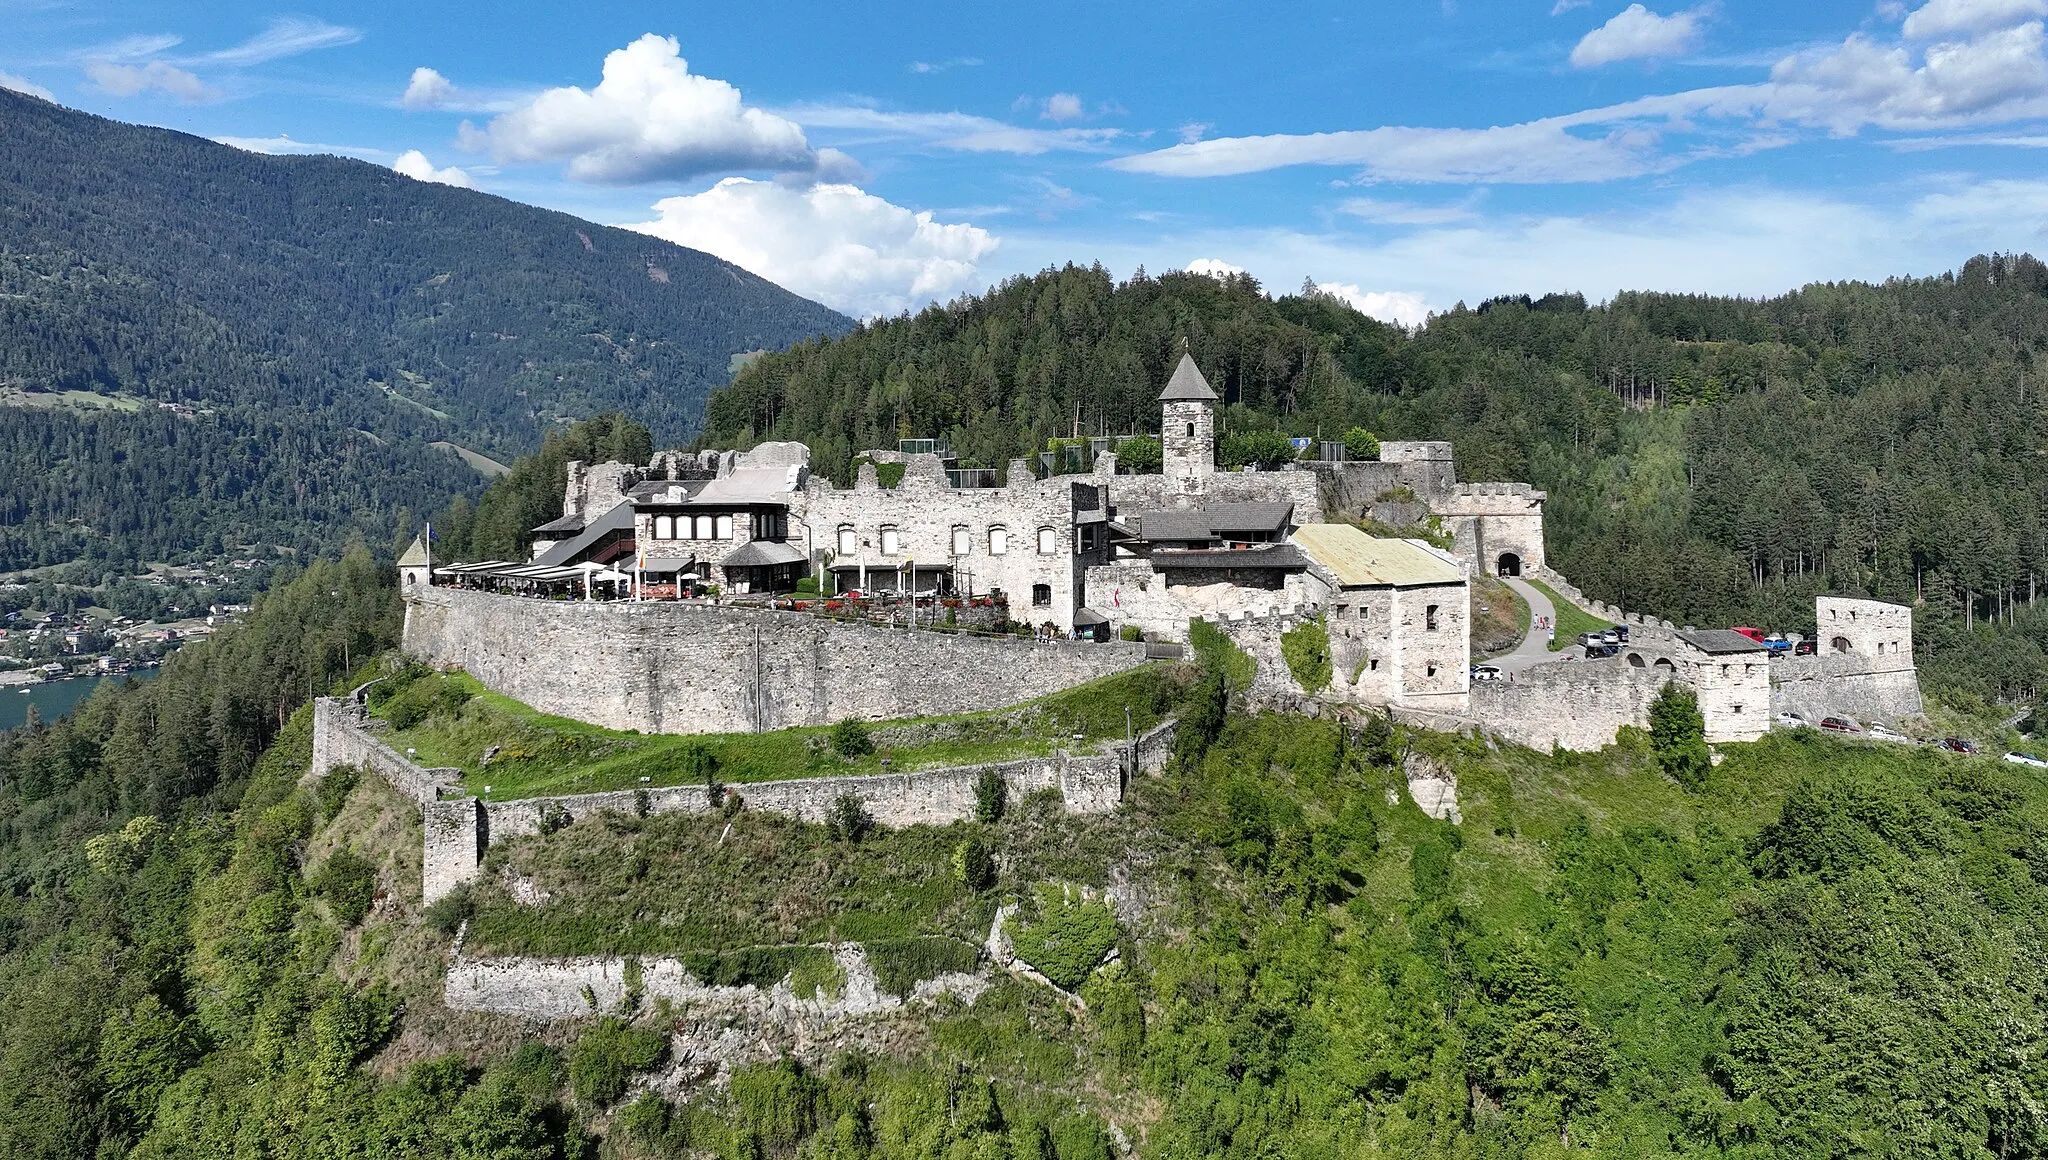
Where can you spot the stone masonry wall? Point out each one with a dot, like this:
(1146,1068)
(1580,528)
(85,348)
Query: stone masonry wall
(340,738)
(680,668)
(1578,706)
(458,831)
(1863,688)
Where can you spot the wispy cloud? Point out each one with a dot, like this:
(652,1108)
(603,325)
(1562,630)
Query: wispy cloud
(284,145)
(21,84)
(963,132)
(286,36)
(128,80)
(939,66)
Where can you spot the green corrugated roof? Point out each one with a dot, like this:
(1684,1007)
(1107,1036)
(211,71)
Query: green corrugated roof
(1358,559)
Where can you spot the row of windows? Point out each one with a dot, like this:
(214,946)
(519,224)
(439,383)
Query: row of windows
(693,527)
(961,542)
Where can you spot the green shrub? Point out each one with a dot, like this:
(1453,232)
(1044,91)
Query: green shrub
(1131,632)
(1307,652)
(849,819)
(1265,450)
(429,696)
(991,796)
(1140,454)
(807,586)
(606,1056)
(973,866)
(1217,653)
(1067,938)
(850,738)
(763,966)
(349,883)
(1678,735)
(335,788)
(1360,445)
(901,964)
(451,910)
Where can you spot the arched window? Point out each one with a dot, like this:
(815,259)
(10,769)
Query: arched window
(1840,644)
(1191,430)
(998,541)
(963,540)
(685,530)
(849,541)
(705,527)
(723,529)
(892,542)
(1635,660)
(1048,541)
(664,527)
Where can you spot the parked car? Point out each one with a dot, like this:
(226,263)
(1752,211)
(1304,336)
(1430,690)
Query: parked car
(1839,725)
(1755,634)
(1611,636)
(2023,759)
(1804,648)
(1596,652)
(1485,673)
(1792,721)
(1621,631)
(1590,639)
(1778,645)
(1880,733)
(1957,745)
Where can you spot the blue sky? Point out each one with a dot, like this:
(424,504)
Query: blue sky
(1408,156)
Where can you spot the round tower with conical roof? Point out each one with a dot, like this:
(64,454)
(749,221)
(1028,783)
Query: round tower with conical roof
(1187,426)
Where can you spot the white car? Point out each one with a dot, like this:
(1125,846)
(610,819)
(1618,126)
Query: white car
(2023,759)
(1880,733)
(1791,721)
(1485,673)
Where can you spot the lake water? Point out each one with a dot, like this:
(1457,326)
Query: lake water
(53,699)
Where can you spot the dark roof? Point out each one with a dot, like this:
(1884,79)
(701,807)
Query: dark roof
(1187,384)
(569,524)
(1273,556)
(759,553)
(1212,521)
(620,517)
(663,564)
(648,493)
(1716,641)
(1089,616)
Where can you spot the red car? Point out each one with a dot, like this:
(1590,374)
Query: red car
(1755,634)
(1957,745)
(1838,725)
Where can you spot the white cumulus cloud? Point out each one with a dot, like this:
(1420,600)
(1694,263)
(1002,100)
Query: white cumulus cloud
(1399,307)
(1943,19)
(1636,33)
(1216,268)
(427,89)
(1999,75)
(836,243)
(128,80)
(414,164)
(649,118)
(1063,107)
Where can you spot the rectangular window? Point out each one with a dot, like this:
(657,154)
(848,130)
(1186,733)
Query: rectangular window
(891,543)
(664,527)
(1041,595)
(684,529)
(849,543)
(998,541)
(1429,618)
(722,530)
(704,527)
(963,541)
(1048,541)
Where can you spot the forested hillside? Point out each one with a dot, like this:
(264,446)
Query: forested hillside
(203,345)
(1713,460)
(1821,948)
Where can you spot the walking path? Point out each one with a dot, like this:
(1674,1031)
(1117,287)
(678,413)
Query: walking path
(1535,647)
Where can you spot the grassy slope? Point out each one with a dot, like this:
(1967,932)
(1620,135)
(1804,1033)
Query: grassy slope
(543,755)
(1571,619)
(1499,617)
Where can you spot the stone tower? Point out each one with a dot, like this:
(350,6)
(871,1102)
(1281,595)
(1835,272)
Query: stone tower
(415,568)
(1187,426)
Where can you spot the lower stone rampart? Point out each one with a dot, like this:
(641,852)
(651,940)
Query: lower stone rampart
(1860,687)
(1578,705)
(341,737)
(663,667)
(458,831)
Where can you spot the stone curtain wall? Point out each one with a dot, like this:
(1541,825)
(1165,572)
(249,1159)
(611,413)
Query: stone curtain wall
(682,668)
(341,737)
(458,831)
(1579,706)
(1864,688)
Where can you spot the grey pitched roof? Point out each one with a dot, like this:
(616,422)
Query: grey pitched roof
(756,553)
(1716,641)
(1211,521)
(570,551)
(1265,556)
(415,555)
(1187,384)
(569,524)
